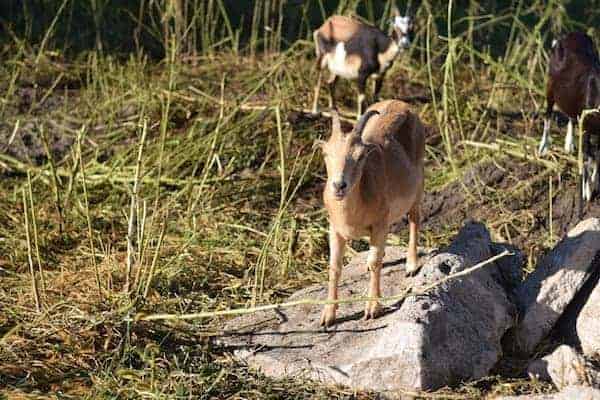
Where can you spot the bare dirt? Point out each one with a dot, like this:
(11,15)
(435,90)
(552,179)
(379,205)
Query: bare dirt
(489,192)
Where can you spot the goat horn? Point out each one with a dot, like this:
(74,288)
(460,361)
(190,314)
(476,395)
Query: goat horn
(362,122)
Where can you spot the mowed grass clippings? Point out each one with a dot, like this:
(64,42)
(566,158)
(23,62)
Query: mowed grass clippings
(228,211)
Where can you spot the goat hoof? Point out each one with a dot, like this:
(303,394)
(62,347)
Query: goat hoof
(411,268)
(372,310)
(328,315)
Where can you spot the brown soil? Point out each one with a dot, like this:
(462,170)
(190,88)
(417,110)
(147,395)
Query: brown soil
(508,190)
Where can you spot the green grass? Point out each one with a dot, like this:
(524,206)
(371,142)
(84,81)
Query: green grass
(228,211)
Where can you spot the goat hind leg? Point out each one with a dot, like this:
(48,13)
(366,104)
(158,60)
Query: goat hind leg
(588,156)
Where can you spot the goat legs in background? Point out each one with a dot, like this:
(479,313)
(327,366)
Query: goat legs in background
(336,259)
(590,184)
(374,264)
(362,88)
(569,143)
(332,81)
(377,86)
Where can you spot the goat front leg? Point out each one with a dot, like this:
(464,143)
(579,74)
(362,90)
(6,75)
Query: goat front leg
(374,264)
(336,255)
(569,143)
(378,85)
(332,81)
(414,219)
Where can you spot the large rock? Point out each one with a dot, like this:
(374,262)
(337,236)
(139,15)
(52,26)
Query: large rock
(547,291)
(568,393)
(564,367)
(449,335)
(588,320)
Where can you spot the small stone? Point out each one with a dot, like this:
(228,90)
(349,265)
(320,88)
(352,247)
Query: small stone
(564,367)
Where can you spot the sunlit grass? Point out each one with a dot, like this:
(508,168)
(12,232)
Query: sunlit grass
(228,210)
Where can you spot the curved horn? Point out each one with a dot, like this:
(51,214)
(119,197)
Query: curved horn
(336,125)
(362,122)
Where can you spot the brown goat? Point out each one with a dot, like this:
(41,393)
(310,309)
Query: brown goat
(574,85)
(354,50)
(374,177)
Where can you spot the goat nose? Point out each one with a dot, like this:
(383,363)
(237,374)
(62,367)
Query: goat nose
(340,185)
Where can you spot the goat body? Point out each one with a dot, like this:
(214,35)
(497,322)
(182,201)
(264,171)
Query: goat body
(375,177)
(574,85)
(353,50)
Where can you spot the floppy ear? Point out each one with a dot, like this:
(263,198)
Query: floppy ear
(395,11)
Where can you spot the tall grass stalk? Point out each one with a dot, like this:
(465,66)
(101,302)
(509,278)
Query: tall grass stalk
(35,233)
(132,224)
(56,184)
(49,31)
(34,285)
(410,291)
(154,260)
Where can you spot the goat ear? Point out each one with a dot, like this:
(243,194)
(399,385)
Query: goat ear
(336,125)
(395,11)
(592,95)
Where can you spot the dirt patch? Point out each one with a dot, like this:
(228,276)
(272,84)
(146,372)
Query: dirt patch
(513,199)
(26,143)
(409,91)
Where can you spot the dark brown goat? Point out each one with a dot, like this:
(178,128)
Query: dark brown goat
(574,85)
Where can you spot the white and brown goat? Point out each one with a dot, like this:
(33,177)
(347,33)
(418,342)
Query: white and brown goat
(574,85)
(354,50)
(374,177)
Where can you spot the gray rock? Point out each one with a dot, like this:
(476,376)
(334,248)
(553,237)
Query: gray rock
(568,393)
(547,291)
(449,335)
(564,367)
(588,323)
